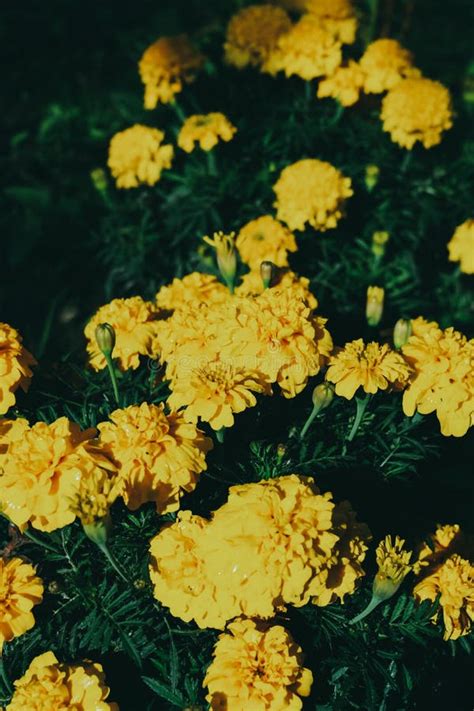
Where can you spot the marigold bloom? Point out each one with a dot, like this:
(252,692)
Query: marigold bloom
(257,666)
(307,50)
(252,285)
(417,110)
(10,431)
(311,191)
(206,130)
(253,33)
(48,684)
(20,591)
(265,239)
(158,456)
(371,366)
(344,84)
(42,473)
(385,63)
(216,391)
(193,289)
(135,325)
(336,16)
(165,66)
(443,376)
(393,561)
(449,576)
(461,246)
(15,362)
(137,156)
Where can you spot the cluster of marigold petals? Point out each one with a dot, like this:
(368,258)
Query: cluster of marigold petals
(15,366)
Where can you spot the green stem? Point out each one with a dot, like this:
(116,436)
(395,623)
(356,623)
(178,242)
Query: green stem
(310,419)
(307,90)
(4,677)
(361,403)
(113,377)
(372,24)
(178,110)
(105,550)
(39,542)
(370,608)
(211,163)
(230,284)
(406,161)
(220,435)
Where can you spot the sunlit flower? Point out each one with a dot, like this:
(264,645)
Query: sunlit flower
(394,564)
(311,191)
(20,591)
(217,391)
(48,684)
(15,362)
(345,84)
(190,291)
(138,156)
(461,246)
(385,63)
(158,456)
(42,472)
(253,33)
(10,431)
(252,285)
(207,130)
(134,323)
(443,376)
(370,366)
(165,66)
(417,110)
(257,666)
(336,16)
(449,577)
(307,50)
(265,239)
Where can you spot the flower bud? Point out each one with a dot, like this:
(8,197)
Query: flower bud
(267,272)
(98,531)
(99,180)
(379,243)
(281,451)
(374,305)
(372,173)
(226,255)
(105,337)
(468,85)
(401,332)
(323,395)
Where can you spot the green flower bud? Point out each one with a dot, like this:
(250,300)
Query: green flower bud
(374,305)
(323,395)
(372,173)
(402,332)
(267,272)
(105,337)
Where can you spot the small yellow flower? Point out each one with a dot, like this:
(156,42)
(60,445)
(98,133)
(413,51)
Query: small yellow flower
(372,367)
(20,591)
(385,63)
(137,156)
(417,110)
(134,323)
(372,173)
(311,191)
(265,239)
(165,66)
(10,431)
(205,129)
(193,289)
(93,499)
(226,255)
(374,305)
(252,285)
(253,33)
(336,16)
(461,246)
(15,362)
(48,685)
(379,243)
(393,562)
(344,84)
(257,666)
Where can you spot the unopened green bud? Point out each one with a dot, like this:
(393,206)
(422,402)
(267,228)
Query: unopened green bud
(226,255)
(98,532)
(379,243)
(105,337)
(402,332)
(267,272)
(468,85)
(374,305)
(99,179)
(281,451)
(323,395)
(372,173)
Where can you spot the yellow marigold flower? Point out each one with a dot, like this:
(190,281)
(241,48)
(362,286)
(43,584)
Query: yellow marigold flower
(95,495)
(371,366)
(417,110)
(393,562)
(311,191)
(226,255)
(20,591)
(336,16)
(190,291)
(385,63)
(344,84)
(48,684)
(158,456)
(15,362)
(252,34)
(449,576)
(443,376)
(137,156)
(461,246)
(252,285)
(374,305)
(257,666)
(10,431)
(265,239)
(215,392)
(307,50)
(205,129)
(134,323)
(165,66)
(42,473)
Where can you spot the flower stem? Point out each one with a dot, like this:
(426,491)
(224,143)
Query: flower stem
(113,377)
(220,435)
(309,421)
(370,608)
(307,90)
(211,163)
(178,110)
(361,403)
(105,550)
